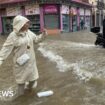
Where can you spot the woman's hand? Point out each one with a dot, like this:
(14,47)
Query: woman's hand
(44,32)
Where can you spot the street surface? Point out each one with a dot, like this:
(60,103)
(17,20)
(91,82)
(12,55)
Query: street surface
(70,65)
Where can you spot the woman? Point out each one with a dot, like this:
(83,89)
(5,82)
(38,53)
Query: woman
(20,42)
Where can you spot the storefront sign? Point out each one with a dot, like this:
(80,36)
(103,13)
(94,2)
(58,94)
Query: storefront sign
(73,11)
(81,11)
(65,9)
(13,11)
(32,9)
(50,9)
(88,12)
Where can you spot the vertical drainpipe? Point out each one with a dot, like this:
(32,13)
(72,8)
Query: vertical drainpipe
(61,21)
(41,17)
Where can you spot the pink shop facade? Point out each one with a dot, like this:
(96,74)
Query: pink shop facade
(53,17)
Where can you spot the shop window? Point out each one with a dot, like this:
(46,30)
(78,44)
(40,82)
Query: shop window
(7,24)
(35,23)
(87,22)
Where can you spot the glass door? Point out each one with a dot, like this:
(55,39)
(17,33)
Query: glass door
(65,19)
(74,23)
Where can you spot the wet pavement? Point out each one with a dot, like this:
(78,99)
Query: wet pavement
(70,65)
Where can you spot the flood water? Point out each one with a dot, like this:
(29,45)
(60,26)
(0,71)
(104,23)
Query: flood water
(70,65)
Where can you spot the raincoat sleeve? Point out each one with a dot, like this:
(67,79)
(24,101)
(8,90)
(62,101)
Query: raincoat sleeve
(6,49)
(38,38)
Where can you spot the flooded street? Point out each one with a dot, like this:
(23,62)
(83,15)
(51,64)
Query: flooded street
(70,65)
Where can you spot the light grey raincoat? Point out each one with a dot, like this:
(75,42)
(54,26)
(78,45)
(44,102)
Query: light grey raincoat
(21,43)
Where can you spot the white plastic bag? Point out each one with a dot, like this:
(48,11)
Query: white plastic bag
(23,59)
(45,93)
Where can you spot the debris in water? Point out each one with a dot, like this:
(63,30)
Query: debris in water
(45,93)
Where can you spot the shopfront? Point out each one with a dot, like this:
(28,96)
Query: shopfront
(74,19)
(32,12)
(51,17)
(7,19)
(82,17)
(65,18)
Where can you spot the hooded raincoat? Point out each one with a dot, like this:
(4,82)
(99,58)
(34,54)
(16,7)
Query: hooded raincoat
(21,43)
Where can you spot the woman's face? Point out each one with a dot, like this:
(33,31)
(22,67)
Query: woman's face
(25,27)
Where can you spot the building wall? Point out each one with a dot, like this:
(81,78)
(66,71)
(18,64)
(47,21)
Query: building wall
(97,12)
(0,25)
(65,18)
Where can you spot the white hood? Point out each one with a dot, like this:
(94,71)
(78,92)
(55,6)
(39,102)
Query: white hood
(18,22)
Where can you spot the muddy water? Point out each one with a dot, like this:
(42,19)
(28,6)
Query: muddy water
(70,65)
